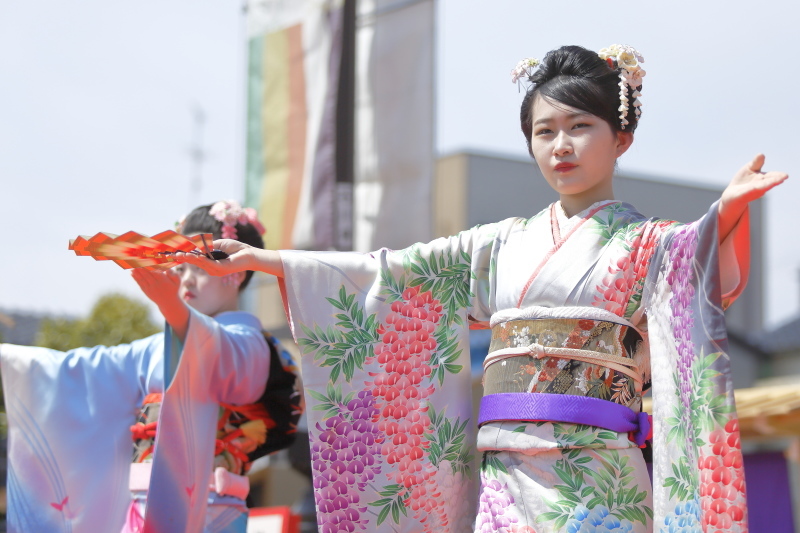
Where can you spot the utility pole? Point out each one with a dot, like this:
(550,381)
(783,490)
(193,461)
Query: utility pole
(345,132)
(197,155)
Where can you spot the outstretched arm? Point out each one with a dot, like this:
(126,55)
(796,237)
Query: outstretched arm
(749,184)
(240,257)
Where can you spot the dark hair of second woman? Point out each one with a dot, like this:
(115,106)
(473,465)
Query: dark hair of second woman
(200,221)
(577,77)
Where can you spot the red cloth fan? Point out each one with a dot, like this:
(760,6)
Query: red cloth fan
(133,250)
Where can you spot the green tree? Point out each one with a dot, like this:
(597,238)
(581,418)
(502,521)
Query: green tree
(114,319)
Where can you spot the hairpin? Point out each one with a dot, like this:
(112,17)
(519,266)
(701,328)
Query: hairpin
(626,59)
(524,69)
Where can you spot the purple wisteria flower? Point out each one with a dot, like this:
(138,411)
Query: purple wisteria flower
(495,501)
(680,277)
(344,450)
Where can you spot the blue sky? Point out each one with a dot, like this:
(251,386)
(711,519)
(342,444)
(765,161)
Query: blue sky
(97,97)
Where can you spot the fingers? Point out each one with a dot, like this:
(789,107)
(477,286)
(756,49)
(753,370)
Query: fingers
(757,162)
(772,179)
(152,279)
(136,276)
(236,251)
(140,276)
(172,276)
(210,266)
(230,246)
(192,259)
(765,180)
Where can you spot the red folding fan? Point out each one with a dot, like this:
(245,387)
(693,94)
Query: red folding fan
(133,250)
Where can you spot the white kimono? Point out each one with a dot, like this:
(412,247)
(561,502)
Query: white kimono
(386,370)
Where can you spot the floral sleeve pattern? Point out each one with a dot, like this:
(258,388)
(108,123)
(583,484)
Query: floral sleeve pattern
(699,481)
(391,437)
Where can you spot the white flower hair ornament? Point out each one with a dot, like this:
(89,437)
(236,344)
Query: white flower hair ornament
(524,69)
(628,61)
(624,58)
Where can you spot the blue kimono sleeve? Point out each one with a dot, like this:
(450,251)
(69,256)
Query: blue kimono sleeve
(223,360)
(69,443)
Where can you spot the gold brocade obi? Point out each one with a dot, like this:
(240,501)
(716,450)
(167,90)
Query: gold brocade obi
(580,357)
(237,434)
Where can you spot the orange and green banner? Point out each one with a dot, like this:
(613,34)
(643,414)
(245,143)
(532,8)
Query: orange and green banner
(294,57)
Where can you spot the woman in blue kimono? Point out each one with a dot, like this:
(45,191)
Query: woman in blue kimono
(156,434)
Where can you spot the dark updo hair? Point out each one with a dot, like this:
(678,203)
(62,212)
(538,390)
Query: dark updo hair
(577,77)
(200,221)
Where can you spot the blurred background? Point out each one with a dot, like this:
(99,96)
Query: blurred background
(380,123)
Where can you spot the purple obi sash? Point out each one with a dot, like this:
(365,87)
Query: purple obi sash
(531,407)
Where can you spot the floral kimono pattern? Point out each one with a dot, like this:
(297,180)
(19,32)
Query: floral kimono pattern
(387,374)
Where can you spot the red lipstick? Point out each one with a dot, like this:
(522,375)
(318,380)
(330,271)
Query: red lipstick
(565,167)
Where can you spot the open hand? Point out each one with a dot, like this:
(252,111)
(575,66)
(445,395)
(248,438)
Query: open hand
(241,257)
(161,286)
(750,183)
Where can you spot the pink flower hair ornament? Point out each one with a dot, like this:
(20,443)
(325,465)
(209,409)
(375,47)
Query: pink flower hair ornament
(230,213)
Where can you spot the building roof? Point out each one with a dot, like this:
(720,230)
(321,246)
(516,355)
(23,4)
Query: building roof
(19,328)
(784,338)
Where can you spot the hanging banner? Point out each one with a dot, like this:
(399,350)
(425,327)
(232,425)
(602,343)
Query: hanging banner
(293,75)
(395,116)
(295,141)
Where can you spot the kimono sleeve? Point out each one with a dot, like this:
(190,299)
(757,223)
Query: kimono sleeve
(69,442)
(223,360)
(697,471)
(386,372)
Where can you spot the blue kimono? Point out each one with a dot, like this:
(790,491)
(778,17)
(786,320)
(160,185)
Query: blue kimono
(70,416)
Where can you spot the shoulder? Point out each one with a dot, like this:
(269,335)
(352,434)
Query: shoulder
(629,212)
(239,318)
(514,223)
(624,216)
(623,211)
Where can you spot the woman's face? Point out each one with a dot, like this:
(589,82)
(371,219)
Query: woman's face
(205,293)
(576,151)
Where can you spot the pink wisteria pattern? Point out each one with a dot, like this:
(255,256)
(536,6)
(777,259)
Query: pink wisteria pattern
(384,338)
(389,420)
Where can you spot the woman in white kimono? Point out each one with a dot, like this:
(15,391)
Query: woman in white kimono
(74,427)
(589,303)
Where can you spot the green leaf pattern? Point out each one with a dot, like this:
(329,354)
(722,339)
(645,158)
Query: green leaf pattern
(347,346)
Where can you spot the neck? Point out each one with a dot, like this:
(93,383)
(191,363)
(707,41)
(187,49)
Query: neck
(228,305)
(575,203)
